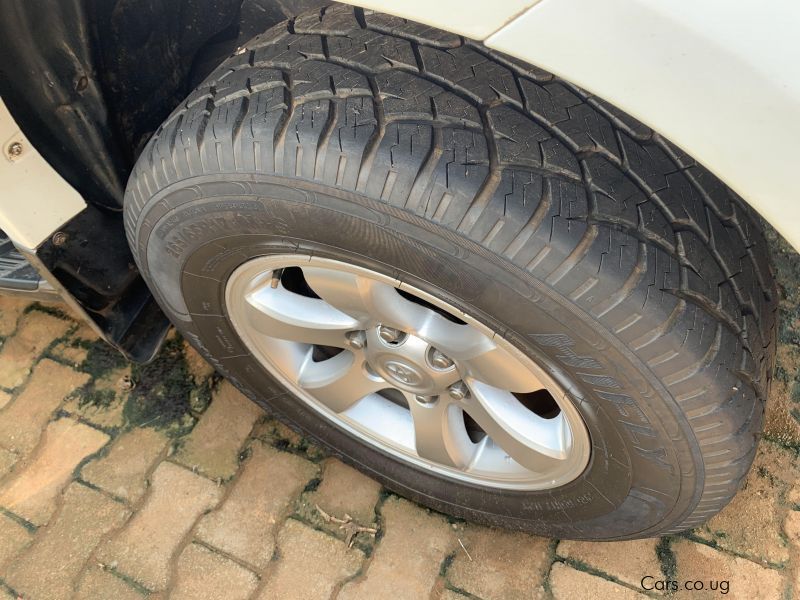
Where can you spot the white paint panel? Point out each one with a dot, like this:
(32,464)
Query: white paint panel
(721,79)
(34,200)
(476,19)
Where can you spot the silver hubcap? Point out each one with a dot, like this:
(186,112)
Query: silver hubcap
(407,373)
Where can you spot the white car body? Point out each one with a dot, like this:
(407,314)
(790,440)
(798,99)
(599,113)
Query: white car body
(719,79)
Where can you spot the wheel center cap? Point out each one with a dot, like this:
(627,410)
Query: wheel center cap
(405,365)
(403,373)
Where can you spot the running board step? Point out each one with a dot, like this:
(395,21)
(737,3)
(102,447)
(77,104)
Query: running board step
(18,276)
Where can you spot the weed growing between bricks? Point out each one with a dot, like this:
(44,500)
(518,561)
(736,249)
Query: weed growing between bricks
(553,559)
(712,543)
(580,565)
(101,359)
(666,557)
(161,394)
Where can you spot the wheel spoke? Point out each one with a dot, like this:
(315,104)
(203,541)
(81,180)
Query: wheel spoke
(279,313)
(364,299)
(499,368)
(537,444)
(440,434)
(369,300)
(337,382)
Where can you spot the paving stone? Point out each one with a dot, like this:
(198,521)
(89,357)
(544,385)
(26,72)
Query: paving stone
(781,421)
(11,308)
(69,353)
(245,525)
(344,490)
(22,421)
(142,550)
(500,564)
(311,565)
(213,446)
(206,575)
(626,561)
(123,471)
(793,495)
(7,460)
(791,526)
(13,538)
(408,558)
(103,405)
(32,491)
(5,398)
(451,595)
(698,562)
(65,545)
(751,524)
(199,368)
(35,332)
(271,430)
(277,434)
(99,584)
(571,584)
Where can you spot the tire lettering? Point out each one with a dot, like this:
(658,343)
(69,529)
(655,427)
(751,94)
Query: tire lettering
(632,417)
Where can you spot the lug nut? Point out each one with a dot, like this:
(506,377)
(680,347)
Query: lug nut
(458,391)
(356,339)
(439,360)
(390,335)
(426,399)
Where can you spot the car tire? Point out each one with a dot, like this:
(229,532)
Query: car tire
(632,278)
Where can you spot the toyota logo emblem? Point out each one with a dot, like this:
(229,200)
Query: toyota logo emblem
(403,372)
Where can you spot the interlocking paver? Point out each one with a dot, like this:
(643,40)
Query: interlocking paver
(213,446)
(698,562)
(751,524)
(122,472)
(11,308)
(311,565)
(205,575)
(451,595)
(13,538)
(50,566)
(21,423)
(500,564)
(32,491)
(5,595)
(99,584)
(625,561)
(198,366)
(343,490)
(407,560)
(104,405)
(74,355)
(7,460)
(791,527)
(245,524)
(571,584)
(36,330)
(143,548)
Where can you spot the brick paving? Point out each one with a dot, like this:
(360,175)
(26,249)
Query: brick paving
(121,481)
